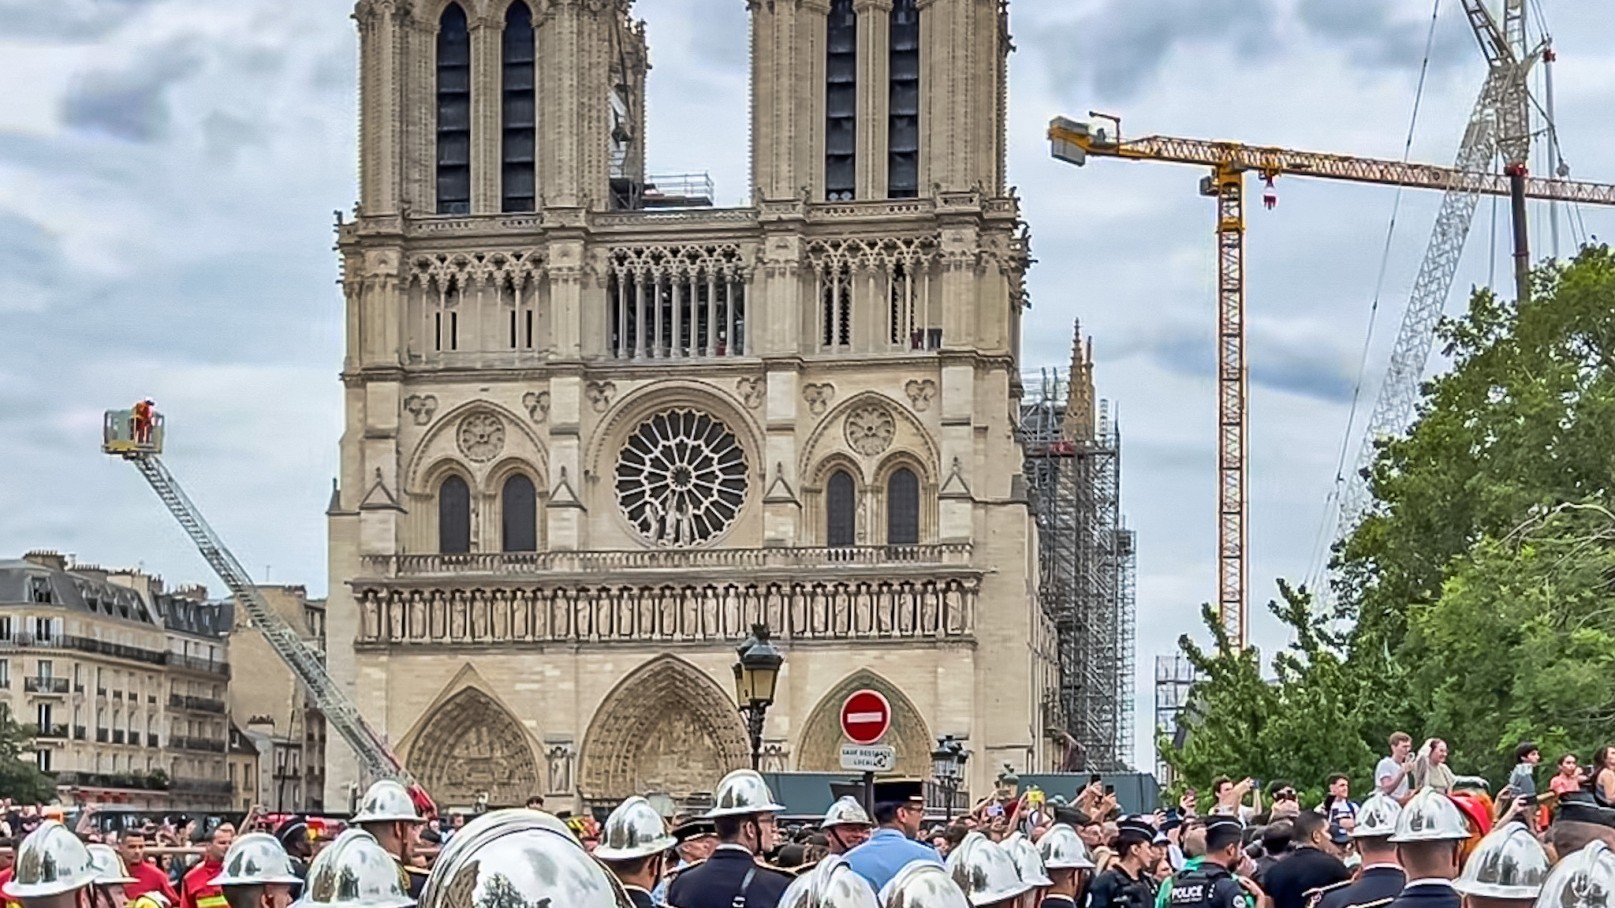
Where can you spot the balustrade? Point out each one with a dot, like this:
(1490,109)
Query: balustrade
(612,562)
(936,609)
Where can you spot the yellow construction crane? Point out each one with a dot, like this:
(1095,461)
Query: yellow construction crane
(1075,142)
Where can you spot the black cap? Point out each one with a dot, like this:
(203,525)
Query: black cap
(1338,834)
(1133,829)
(292,830)
(694,828)
(899,791)
(1222,832)
(1581,808)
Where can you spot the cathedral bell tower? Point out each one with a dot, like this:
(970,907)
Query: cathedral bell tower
(878,99)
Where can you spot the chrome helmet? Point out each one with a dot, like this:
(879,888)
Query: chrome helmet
(1583,879)
(109,867)
(846,812)
(519,856)
(256,859)
(1376,819)
(743,793)
(922,884)
(832,883)
(387,801)
(50,861)
(634,830)
(985,871)
(1062,849)
(1430,817)
(354,872)
(1508,864)
(1027,859)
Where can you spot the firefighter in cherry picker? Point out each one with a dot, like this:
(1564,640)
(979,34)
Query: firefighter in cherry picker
(388,813)
(143,415)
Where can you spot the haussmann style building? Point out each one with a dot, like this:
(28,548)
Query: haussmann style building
(597,428)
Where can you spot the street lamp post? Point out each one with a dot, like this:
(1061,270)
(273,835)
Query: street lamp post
(756,675)
(948,767)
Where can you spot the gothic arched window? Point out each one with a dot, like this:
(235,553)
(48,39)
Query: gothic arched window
(454,516)
(518,187)
(903,126)
(903,508)
(841,103)
(840,511)
(453,112)
(518,507)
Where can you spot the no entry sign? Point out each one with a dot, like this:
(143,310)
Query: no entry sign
(866,716)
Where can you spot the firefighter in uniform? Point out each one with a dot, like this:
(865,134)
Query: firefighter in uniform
(694,840)
(633,846)
(734,877)
(1216,883)
(986,873)
(388,814)
(845,826)
(1428,835)
(1067,862)
(831,883)
(1380,877)
(516,857)
(1582,879)
(1505,870)
(923,884)
(1128,884)
(1029,862)
(196,889)
(110,876)
(53,869)
(258,873)
(354,872)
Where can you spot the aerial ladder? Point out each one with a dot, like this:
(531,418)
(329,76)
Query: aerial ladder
(1075,142)
(139,440)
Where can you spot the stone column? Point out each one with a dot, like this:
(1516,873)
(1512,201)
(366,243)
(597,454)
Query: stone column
(487,65)
(874,95)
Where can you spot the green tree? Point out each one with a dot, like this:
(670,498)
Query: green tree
(20,778)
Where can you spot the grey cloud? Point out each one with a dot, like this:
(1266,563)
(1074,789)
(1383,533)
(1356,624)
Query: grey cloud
(76,21)
(31,264)
(1278,364)
(1123,44)
(131,103)
(1387,34)
(228,135)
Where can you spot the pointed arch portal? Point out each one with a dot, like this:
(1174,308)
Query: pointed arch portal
(819,750)
(667,727)
(470,746)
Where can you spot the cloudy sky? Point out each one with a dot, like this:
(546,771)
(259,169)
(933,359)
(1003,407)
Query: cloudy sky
(169,169)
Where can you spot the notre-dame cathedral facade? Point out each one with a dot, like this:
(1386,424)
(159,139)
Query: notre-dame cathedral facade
(591,437)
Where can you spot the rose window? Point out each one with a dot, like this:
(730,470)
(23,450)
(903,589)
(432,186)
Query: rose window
(681,478)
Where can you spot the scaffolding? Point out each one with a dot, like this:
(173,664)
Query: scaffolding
(1174,680)
(1087,558)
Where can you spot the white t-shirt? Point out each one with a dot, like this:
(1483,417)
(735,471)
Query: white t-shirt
(1387,769)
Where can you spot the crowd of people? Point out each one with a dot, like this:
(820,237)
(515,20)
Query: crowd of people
(1426,838)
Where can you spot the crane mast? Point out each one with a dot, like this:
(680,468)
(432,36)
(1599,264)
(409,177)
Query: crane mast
(1074,142)
(123,437)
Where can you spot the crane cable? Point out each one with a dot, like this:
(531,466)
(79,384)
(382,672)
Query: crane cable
(1322,542)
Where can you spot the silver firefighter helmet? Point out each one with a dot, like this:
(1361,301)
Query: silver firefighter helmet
(985,871)
(256,859)
(922,884)
(1062,849)
(50,861)
(633,831)
(354,872)
(743,793)
(1430,817)
(519,856)
(387,801)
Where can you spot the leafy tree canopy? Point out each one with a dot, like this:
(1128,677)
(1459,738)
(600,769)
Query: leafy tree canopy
(1478,591)
(20,778)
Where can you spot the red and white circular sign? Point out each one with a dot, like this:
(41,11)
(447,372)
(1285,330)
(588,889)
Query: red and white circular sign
(866,716)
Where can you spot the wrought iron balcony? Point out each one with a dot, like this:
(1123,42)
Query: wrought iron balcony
(51,686)
(53,730)
(197,704)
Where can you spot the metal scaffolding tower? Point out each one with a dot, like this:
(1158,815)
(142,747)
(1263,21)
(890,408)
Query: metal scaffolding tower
(1086,557)
(1174,679)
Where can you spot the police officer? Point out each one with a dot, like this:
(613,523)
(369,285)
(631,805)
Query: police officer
(1505,870)
(1428,833)
(694,839)
(516,857)
(53,869)
(633,846)
(1379,877)
(388,814)
(354,872)
(1067,862)
(293,836)
(987,873)
(900,811)
(733,877)
(1582,879)
(1128,884)
(1216,883)
(258,873)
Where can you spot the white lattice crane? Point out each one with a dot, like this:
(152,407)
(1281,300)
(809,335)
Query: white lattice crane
(1075,142)
(137,436)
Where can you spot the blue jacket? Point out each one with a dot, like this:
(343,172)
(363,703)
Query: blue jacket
(887,852)
(1428,895)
